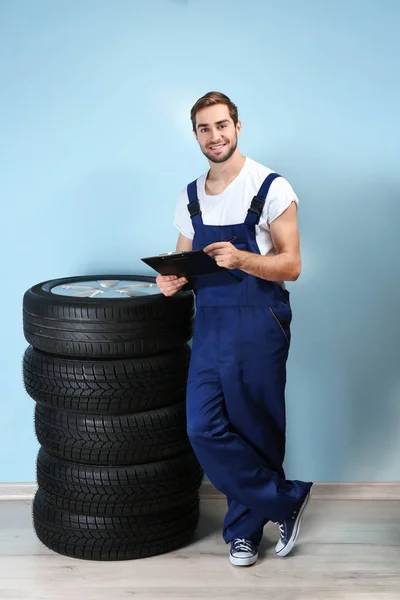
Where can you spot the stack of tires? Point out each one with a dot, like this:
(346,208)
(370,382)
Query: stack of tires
(107,366)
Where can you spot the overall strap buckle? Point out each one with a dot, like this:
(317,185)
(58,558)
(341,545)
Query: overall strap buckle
(194,208)
(194,204)
(257,205)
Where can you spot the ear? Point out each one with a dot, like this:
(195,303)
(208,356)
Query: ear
(195,135)
(239,127)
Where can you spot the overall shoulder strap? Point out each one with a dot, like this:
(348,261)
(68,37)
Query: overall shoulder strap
(194,204)
(258,202)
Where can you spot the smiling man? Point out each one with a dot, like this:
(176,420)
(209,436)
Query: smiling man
(236,384)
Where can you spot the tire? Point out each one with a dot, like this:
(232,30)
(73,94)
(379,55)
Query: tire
(116,538)
(109,327)
(120,509)
(113,440)
(119,491)
(107,387)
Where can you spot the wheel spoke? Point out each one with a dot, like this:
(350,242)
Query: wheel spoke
(106,288)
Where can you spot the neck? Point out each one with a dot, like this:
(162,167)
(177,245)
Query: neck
(228,170)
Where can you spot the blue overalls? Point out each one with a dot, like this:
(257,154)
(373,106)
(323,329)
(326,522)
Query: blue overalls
(236,383)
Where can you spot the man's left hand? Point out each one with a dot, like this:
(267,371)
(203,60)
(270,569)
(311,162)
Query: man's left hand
(225,254)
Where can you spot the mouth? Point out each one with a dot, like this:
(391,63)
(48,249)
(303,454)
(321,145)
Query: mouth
(217,148)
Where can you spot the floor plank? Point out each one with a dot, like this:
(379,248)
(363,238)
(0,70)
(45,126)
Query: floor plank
(347,550)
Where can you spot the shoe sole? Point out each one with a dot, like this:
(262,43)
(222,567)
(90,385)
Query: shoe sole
(243,562)
(289,546)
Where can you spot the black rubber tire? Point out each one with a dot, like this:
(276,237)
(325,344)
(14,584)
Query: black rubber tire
(119,491)
(113,440)
(107,387)
(120,509)
(107,328)
(116,538)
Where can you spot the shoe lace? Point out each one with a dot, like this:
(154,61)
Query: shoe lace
(243,544)
(281,524)
(282,528)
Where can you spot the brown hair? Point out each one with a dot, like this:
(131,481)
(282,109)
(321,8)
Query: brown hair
(211,99)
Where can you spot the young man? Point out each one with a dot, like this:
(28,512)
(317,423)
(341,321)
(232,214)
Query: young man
(237,375)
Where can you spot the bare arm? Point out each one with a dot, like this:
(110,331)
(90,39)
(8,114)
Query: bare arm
(284,266)
(183,243)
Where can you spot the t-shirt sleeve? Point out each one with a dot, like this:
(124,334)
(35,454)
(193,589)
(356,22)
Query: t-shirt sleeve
(280,197)
(182,220)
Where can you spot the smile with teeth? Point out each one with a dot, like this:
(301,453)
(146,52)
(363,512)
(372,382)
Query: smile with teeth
(217,147)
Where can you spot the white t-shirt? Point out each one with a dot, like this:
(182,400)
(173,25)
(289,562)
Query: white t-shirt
(232,204)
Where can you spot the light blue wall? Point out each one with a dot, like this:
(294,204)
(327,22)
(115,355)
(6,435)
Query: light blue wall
(95,144)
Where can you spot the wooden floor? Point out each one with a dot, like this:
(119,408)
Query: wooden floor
(347,549)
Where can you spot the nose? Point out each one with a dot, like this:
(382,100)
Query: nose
(215,136)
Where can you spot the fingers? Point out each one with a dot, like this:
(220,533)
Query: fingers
(164,278)
(170,284)
(220,252)
(180,282)
(216,246)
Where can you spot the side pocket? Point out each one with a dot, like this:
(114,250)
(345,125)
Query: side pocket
(280,324)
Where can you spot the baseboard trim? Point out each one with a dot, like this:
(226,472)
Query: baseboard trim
(321,491)
(17,491)
(331,491)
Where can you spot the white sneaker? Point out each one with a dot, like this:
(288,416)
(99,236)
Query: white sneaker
(243,553)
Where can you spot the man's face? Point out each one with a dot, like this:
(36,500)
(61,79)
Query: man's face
(216,134)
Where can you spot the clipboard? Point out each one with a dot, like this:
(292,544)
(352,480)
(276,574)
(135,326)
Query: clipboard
(193,263)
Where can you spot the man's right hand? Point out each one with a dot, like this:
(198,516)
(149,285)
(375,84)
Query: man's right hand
(170,284)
